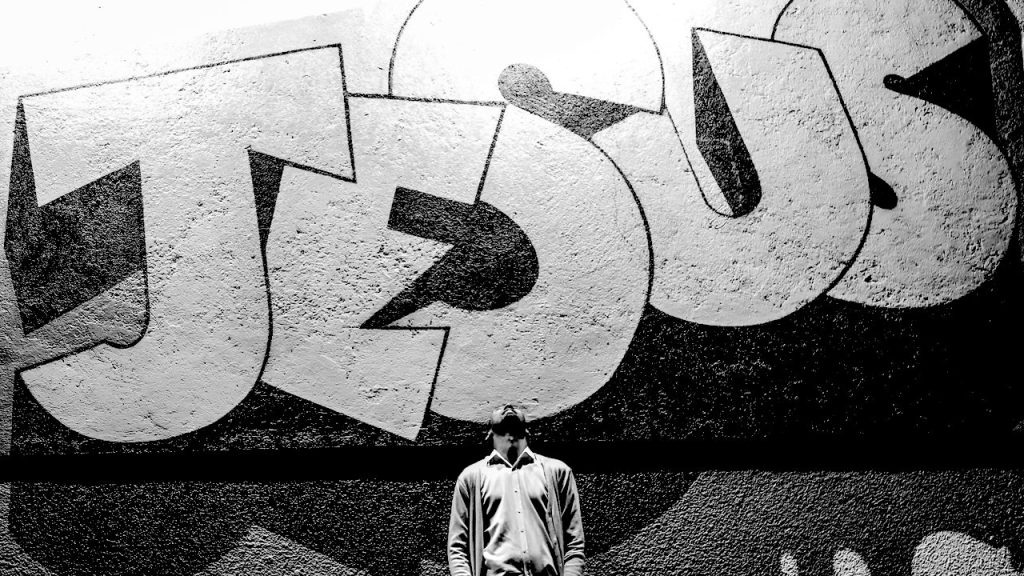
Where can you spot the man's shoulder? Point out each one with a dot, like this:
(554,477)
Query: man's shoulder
(555,464)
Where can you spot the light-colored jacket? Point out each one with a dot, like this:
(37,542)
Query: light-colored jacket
(466,528)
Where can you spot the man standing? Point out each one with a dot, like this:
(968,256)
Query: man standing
(515,512)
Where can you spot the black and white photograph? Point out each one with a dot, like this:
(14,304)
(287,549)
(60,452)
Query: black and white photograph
(512,288)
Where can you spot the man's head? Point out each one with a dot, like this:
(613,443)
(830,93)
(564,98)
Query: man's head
(508,428)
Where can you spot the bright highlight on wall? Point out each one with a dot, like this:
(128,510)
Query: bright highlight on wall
(34,31)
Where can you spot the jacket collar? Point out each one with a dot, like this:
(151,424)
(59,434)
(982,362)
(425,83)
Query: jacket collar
(525,458)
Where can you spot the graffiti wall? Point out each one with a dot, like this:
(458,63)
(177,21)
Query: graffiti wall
(752,267)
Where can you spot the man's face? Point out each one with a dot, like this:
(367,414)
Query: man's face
(508,425)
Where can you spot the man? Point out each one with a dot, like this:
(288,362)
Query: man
(515,512)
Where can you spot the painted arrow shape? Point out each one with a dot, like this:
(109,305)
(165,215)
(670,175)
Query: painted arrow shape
(492,263)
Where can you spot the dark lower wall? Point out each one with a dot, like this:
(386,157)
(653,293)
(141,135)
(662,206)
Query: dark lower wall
(642,523)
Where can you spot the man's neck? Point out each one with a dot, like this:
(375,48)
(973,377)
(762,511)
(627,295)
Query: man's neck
(513,450)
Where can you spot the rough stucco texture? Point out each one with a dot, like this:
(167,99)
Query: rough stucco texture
(658,226)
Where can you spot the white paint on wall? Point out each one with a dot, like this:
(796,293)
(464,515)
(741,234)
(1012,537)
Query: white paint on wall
(457,49)
(333,262)
(92,48)
(207,332)
(947,234)
(846,562)
(264,553)
(43,29)
(958,554)
(561,342)
(956,199)
(671,25)
(719,270)
(788,565)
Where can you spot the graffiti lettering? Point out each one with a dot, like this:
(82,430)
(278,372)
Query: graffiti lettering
(323,227)
(492,228)
(358,347)
(561,342)
(685,234)
(202,349)
(954,216)
(457,49)
(711,268)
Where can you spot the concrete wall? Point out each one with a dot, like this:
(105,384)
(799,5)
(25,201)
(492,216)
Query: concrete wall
(753,268)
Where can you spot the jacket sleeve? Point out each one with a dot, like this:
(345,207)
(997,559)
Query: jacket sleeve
(458,530)
(572,525)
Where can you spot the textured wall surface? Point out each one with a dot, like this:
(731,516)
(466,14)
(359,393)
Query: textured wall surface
(753,267)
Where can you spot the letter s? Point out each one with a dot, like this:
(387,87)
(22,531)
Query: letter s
(955,200)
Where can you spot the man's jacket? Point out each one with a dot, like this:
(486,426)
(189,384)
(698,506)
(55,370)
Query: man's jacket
(466,528)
